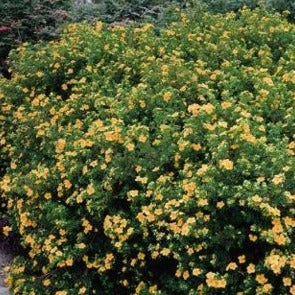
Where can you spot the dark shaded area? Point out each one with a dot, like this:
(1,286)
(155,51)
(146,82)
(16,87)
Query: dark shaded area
(10,244)
(3,68)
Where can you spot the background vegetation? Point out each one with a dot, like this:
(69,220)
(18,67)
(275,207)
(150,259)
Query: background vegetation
(132,141)
(153,161)
(30,21)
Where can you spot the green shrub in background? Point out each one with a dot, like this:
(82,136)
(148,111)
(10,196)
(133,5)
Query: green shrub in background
(122,10)
(154,163)
(125,11)
(29,20)
(282,5)
(223,6)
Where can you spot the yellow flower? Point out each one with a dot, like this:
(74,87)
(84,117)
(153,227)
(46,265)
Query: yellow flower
(142,138)
(287,281)
(261,279)
(61,293)
(153,289)
(64,87)
(292,261)
(252,238)
(189,188)
(202,170)
(202,202)
(79,199)
(226,164)
(82,290)
(103,166)
(87,226)
(98,26)
(249,137)
(48,196)
(6,230)
(251,268)
(69,262)
(39,74)
(197,271)
(289,221)
(139,287)
(193,109)
(133,193)
(170,32)
(167,96)
(279,239)
(125,283)
(142,104)
(278,179)
(90,189)
(196,146)
(268,81)
(46,282)
(190,251)
(275,262)
(142,180)
(242,259)
(61,143)
(267,288)
(185,275)
(256,199)
(225,105)
(213,76)
(214,282)
(113,135)
(81,246)
(208,108)
(220,204)
(165,252)
(56,65)
(130,147)
(231,266)
(141,256)
(165,68)
(67,184)
(29,191)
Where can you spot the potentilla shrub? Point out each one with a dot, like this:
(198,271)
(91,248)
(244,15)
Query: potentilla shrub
(154,163)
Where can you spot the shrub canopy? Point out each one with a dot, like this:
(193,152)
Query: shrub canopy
(153,163)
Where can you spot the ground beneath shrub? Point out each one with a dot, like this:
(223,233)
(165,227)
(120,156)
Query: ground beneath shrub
(5,258)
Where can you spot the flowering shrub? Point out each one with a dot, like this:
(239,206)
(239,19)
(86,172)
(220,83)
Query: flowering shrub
(153,163)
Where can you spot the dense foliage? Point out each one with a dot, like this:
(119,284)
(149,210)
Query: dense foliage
(153,163)
(110,10)
(223,6)
(122,10)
